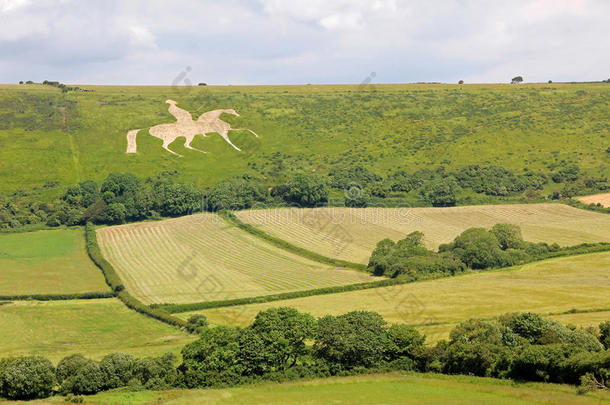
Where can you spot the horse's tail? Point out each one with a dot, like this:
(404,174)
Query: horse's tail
(132,146)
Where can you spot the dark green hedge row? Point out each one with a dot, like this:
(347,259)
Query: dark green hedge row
(58,297)
(583,248)
(195,306)
(93,249)
(232,219)
(114,281)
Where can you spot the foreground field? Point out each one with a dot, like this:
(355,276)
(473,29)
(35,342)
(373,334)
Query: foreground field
(202,258)
(393,388)
(55,329)
(352,233)
(551,286)
(47,262)
(46,135)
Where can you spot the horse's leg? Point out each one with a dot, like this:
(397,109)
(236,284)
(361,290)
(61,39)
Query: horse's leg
(187,144)
(166,143)
(244,129)
(225,135)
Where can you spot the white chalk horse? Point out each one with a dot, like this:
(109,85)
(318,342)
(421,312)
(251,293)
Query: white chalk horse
(185,127)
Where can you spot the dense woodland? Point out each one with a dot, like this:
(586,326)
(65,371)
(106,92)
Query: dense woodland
(284,344)
(123,197)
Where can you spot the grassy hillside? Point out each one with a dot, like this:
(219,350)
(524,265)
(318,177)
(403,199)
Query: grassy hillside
(47,262)
(202,258)
(390,388)
(549,286)
(47,135)
(95,328)
(351,234)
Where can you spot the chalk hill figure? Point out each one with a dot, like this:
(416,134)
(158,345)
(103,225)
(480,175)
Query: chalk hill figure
(185,127)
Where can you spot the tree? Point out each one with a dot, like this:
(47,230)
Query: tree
(516,80)
(441,192)
(405,341)
(212,359)
(69,365)
(355,339)
(282,333)
(196,321)
(508,235)
(306,190)
(117,369)
(115,213)
(461,82)
(89,379)
(604,334)
(26,378)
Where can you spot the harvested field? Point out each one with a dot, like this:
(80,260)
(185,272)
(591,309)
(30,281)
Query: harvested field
(202,258)
(603,199)
(352,233)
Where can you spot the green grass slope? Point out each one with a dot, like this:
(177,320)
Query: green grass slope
(392,388)
(47,262)
(94,328)
(46,135)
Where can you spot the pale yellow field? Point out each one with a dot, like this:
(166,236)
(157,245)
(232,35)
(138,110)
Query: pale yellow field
(550,286)
(202,258)
(352,233)
(603,199)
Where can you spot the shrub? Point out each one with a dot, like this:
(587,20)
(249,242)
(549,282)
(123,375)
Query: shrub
(195,322)
(26,378)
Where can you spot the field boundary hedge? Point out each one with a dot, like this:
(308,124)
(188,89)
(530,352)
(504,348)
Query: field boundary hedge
(58,297)
(114,281)
(281,243)
(177,308)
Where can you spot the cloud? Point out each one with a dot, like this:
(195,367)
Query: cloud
(141,36)
(303,41)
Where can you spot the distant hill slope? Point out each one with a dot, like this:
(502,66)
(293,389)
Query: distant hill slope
(47,135)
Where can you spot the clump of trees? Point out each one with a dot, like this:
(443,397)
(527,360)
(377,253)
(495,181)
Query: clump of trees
(409,260)
(476,248)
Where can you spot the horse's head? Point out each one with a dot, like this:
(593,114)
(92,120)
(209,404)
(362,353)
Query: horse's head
(171,102)
(231,111)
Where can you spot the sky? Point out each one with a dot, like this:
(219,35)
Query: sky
(235,42)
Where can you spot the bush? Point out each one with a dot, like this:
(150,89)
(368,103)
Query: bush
(25,378)
(441,193)
(305,190)
(195,322)
(355,339)
(117,369)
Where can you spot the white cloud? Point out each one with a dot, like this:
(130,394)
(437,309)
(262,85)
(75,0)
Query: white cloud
(8,5)
(141,36)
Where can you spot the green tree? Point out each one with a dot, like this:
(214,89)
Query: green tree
(355,339)
(197,321)
(282,333)
(117,369)
(604,334)
(441,192)
(306,190)
(26,378)
(212,359)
